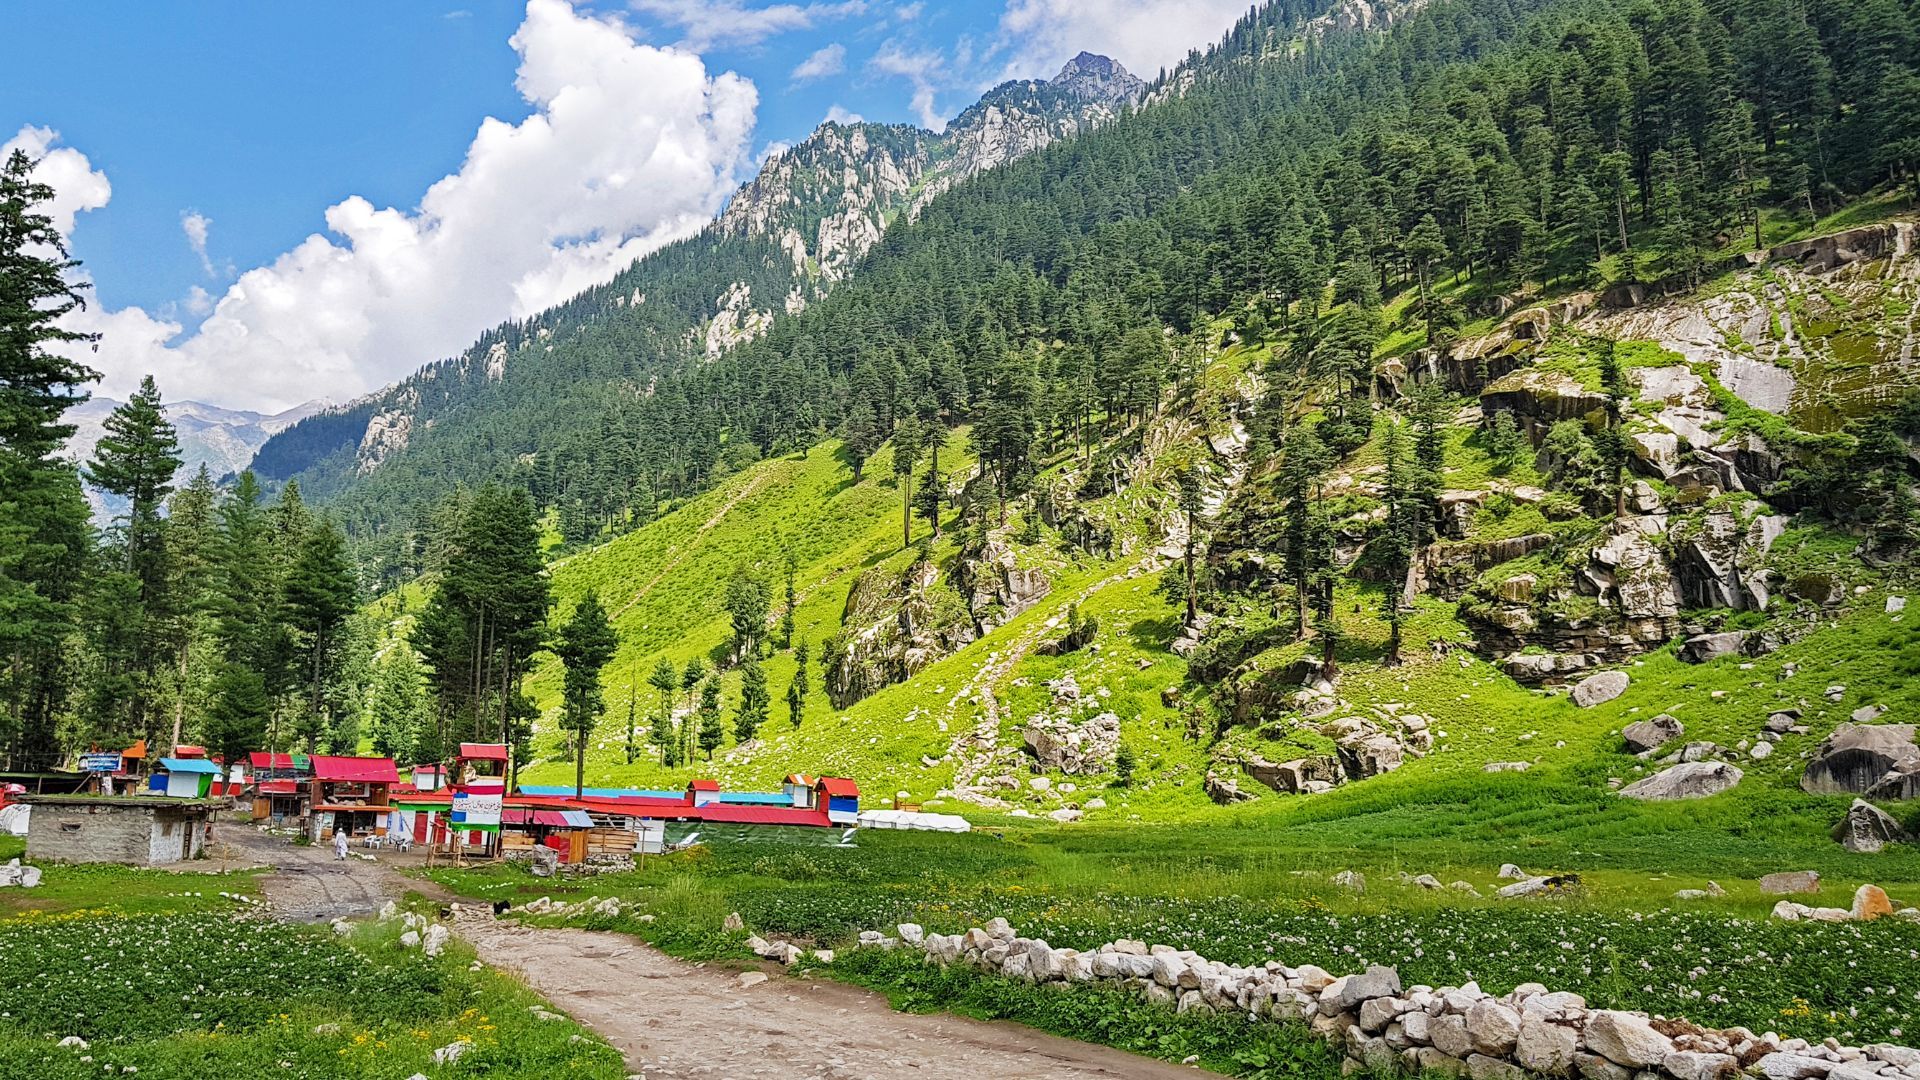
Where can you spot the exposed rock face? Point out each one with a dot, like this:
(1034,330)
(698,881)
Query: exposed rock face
(998,588)
(1720,560)
(1867,828)
(892,627)
(1058,741)
(1864,759)
(827,200)
(736,322)
(1652,734)
(1688,780)
(1223,790)
(1301,776)
(1704,647)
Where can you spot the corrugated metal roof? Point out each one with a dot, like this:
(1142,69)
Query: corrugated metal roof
(703,785)
(192,765)
(280,787)
(756,798)
(840,787)
(355,769)
(474,751)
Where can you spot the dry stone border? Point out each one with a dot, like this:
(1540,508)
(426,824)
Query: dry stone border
(1450,1031)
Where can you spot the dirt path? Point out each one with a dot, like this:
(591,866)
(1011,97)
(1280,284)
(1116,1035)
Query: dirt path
(686,546)
(307,884)
(685,1022)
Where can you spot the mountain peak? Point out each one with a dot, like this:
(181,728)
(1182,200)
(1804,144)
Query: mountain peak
(1093,77)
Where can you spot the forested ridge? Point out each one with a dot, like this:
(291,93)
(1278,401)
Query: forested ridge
(1335,196)
(1552,144)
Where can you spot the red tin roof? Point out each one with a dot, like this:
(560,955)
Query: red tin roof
(279,787)
(474,751)
(703,785)
(355,769)
(260,759)
(839,787)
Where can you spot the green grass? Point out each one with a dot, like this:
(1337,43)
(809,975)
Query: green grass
(185,996)
(122,890)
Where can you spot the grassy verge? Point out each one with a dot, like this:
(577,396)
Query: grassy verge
(1230,892)
(122,890)
(194,995)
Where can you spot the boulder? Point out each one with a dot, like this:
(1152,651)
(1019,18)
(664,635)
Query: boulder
(1857,757)
(1688,780)
(1626,1038)
(1223,790)
(1074,747)
(1351,879)
(1600,688)
(1866,828)
(1545,1048)
(1696,1065)
(1869,903)
(1510,872)
(1493,1027)
(1543,885)
(1789,882)
(1652,734)
(1346,994)
(1293,777)
(1704,647)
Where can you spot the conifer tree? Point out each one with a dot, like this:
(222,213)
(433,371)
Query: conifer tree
(320,594)
(665,681)
(586,643)
(753,700)
(711,732)
(797,689)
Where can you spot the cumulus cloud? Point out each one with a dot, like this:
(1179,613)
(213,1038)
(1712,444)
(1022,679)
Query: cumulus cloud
(1038,36)
(196,224)
(923,69)
(77,186)
(706,23)
(837,114)
(826,60)
(629,147)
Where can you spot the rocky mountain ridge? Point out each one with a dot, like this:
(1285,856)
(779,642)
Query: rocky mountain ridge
(828,199)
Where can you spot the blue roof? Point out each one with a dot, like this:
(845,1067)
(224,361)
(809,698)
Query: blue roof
(756,798)
(199,765)
(599,792)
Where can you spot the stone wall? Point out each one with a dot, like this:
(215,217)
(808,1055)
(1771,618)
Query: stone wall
(1453,1031)
(96,834)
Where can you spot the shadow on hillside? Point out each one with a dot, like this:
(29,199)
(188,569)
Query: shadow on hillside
(1155,634)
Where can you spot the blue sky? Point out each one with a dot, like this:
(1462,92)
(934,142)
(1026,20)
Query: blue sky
(265,169)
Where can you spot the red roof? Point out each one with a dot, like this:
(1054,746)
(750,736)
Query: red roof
(703,785)
(839,787)
(183,750)
(279,787)
(734,814)
(372,770)
(478,751)
(260,759)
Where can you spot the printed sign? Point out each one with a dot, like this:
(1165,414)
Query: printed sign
(99,762)
(476,810)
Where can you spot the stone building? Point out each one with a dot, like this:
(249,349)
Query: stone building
(128,829)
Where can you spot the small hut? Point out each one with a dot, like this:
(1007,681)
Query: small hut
(128,829)
(183,778)
(841,797)
(350,793)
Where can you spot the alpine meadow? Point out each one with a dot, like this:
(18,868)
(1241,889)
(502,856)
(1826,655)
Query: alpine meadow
(1383,546)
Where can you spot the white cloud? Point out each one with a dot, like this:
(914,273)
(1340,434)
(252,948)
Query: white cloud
(628,147)
(826,60)
(909,12)
(77,188)
(924,70)
(199,301)
(196,224)
(839,115)
(1144,35)
(707,23)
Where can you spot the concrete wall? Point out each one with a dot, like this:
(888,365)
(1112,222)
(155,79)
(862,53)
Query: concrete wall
(130,835)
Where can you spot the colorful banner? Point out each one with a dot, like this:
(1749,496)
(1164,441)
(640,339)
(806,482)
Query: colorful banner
(476,811)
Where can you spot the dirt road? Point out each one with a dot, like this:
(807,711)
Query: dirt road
(680,1021)
(307,884)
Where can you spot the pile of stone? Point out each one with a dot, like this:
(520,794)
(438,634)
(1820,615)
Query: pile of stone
(610,906)
(26,877)
(1078,736)
(1448,1031)
(1870,902)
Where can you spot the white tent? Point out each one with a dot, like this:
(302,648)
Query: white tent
(912,819)
(13,819)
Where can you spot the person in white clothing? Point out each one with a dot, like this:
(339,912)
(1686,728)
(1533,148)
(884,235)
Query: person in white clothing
(339,843)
